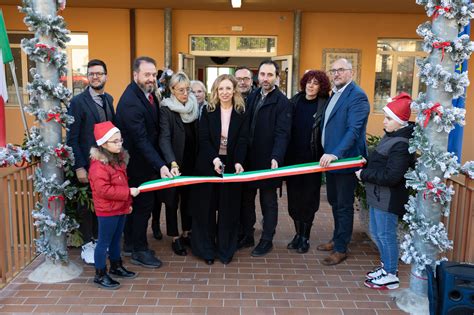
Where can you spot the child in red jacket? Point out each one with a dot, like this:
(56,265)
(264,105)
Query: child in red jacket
(112,201)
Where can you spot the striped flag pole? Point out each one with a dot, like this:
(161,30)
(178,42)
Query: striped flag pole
(284,171)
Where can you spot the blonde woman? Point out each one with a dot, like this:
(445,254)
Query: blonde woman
(223,140)
(178,143)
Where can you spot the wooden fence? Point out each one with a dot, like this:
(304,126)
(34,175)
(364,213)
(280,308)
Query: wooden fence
(460,223)
(17,233)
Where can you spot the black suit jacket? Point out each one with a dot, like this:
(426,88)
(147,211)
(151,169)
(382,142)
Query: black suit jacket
(80,136)
(138,121)
(210,137)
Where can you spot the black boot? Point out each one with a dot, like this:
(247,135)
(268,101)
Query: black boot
(104,281)
(155,227)
(117,269)
(295,242)
(305,232)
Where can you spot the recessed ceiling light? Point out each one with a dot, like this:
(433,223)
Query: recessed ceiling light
(236,3)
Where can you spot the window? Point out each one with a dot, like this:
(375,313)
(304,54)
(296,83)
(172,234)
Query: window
(395,69)
(76,80)
(233,46)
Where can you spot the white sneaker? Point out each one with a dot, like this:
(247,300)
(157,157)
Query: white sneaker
(377,271)
(87,252)
(386,281)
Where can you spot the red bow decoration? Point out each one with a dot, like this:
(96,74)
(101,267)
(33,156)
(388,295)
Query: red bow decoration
(433,109)
(430,186)
(61,153)
(48,48)
(56,117)
(442,46)
(3,164)
(23,162)
(440,8)
(55,198)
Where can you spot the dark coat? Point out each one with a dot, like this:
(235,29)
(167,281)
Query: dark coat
(384,174)
(271,135)
(172,135)
(109,184)
(80,136)
(346,126)
(209,141)
(315,152)
(138,121)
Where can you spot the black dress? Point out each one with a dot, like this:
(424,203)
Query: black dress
(304,190)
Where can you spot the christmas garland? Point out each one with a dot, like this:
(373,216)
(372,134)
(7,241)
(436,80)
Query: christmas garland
(433,192)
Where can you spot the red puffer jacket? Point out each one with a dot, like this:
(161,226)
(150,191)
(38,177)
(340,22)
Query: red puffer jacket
(109,184)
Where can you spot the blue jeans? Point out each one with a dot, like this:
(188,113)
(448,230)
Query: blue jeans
(383,227)
(110,233)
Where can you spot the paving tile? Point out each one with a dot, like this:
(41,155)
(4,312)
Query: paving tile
(120,309)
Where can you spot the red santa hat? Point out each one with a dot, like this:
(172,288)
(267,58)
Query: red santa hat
(104,131)
(399,108)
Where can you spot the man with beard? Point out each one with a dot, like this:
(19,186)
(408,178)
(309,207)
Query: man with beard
(244,79)
(90,107)
(138,120)
(270,123)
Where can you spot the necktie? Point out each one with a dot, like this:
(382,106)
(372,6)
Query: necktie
(104,99)
(150,99)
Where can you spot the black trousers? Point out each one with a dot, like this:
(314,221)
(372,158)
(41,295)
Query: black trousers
(216,236)
(156,212)
(303,196)
(269,205)
(340,192)
(174,197)
(135,232)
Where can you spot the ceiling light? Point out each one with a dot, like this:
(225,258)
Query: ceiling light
(236,3)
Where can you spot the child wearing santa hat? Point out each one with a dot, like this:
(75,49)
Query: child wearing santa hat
(386,193)
(112,202)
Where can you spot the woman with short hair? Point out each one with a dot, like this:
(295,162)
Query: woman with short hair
(178,143)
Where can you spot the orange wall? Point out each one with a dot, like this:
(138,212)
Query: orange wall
(189,22)
(150,39)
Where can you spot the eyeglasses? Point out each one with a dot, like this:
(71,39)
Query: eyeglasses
(118,141)
(245,79)
(96,74)
(313,82)
(183,90)
(338,71)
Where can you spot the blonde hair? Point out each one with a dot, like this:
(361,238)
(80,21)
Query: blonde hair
(179,77)
(237,100)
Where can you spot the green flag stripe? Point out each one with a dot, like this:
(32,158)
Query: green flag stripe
(4,45)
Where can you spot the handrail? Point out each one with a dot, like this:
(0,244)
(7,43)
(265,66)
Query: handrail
(460,223)
(17,233)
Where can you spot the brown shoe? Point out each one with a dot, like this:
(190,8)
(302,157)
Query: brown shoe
(334,259)
(326,247)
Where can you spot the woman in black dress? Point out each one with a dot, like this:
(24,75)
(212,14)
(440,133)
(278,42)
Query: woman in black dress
(223,140)
(304,147)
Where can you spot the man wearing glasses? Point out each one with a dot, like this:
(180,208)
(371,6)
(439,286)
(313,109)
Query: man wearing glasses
(244,81)
(138,120)
(343,135)
(90,107)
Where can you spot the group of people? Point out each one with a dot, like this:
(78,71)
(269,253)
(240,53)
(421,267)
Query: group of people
(239,128)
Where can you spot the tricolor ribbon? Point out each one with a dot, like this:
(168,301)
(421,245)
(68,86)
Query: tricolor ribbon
(442,46)
(433,109)
(291,170)
(440,8)
(56,117)
(50,49)
(54,198)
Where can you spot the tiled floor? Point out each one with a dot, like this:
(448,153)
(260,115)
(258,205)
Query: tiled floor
(283,282)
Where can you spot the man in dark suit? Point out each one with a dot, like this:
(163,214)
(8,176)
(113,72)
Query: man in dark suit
(88,108)
(270,126)
(343,135)
(138,120)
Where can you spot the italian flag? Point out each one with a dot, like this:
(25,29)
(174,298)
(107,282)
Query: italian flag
(5,57)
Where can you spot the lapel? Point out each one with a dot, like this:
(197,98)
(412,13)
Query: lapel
(152,110)
(91,105)
(342,99)
(215,127)
(234,126)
